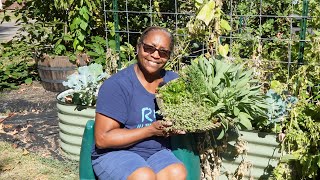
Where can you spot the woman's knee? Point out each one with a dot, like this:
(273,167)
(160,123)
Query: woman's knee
(174,171)
(142,173)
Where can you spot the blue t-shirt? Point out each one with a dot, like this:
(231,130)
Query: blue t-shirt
(123,98)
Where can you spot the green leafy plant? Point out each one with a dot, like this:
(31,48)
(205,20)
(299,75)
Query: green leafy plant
(301,143)
(16,72)
(208,25)
(15,66)
(279,106)
(63,31)
(210,91)
(85,84)
(53,28)
(109,57)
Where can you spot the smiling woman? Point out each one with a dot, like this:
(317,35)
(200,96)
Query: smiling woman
(153,53)
(128,131)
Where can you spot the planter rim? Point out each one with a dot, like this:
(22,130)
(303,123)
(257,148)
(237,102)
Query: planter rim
(257,131)
(60,95)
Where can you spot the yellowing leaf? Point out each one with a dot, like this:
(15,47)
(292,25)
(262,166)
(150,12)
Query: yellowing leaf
(198,3)
(225,25)
(14,132)
(223,50)
(275,84)
(1,128)
(80,48)
(206,14)
(25,152)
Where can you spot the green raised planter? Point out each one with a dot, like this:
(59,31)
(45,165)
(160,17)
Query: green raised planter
(72,121)
(185,149)
(262,152)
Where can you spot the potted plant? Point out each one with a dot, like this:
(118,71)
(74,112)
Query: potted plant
(217,100)
(77,105)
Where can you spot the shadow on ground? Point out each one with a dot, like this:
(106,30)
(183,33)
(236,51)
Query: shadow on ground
(30,121)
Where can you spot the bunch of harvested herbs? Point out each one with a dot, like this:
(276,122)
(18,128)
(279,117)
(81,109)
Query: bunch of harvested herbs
(210,93)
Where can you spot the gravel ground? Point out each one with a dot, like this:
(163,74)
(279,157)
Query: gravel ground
(28,119)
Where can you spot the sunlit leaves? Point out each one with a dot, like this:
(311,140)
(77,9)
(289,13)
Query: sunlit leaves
(207,12)
(223,50)
(225,25)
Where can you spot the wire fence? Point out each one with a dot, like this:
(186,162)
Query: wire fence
(270,31)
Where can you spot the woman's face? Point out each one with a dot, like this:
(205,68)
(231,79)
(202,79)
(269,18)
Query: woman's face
(154,51)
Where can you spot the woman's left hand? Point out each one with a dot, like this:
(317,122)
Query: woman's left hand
(167,124)
(160,128)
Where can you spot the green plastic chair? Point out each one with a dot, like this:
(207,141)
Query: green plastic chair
(183,148)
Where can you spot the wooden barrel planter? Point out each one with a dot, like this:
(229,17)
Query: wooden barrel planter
(54,70)
(72,121)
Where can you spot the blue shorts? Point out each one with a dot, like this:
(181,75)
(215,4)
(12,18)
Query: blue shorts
(118,165)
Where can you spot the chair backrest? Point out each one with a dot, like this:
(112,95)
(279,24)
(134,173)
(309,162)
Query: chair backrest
(85,166)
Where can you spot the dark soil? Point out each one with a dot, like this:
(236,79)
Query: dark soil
(28,120)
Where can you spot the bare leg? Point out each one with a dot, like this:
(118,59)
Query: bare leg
(173,172)
(144,173)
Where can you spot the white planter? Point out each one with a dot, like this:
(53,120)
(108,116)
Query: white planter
(71,125)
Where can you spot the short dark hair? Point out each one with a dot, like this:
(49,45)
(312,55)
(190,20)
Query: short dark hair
(156,28)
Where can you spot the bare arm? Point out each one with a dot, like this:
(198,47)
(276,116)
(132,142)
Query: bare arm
(109,134)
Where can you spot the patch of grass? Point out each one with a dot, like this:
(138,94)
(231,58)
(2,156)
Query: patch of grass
(16,163)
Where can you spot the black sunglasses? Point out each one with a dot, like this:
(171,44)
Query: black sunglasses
(151,49)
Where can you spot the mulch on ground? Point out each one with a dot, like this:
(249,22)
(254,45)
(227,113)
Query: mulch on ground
(28,120)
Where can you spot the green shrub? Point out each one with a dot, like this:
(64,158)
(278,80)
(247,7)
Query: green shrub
(14,72)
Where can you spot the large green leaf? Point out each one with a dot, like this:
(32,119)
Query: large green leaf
(221,134)
(75,43)
(112,44)
(223,50)
(28,81)
(216,108)
(80,48)
(225,25)
(198,3)
(242,82)
(236,111)
(244,119)
(67,37)
(80,37)
(75,23)
(83,25)
(206,14)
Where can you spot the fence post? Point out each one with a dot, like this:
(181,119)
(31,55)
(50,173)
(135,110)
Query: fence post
(303,27)
(116,27)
